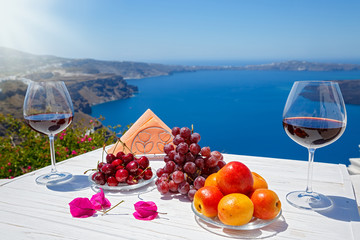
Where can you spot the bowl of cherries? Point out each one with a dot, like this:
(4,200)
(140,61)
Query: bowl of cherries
(122,172)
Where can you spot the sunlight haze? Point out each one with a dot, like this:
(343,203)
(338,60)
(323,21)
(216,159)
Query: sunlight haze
(171,31)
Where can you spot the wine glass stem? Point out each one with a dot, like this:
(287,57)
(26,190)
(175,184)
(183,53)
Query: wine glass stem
(310,171)
(52,153)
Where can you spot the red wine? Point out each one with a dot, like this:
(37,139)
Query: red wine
(49,123)
(313,132)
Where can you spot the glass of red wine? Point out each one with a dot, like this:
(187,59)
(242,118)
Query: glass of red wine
(48,109)
(314,116)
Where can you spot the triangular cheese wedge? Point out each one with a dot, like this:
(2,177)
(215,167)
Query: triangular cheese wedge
(147,135)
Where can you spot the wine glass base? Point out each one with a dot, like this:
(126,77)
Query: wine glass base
(54,178)
(310,201)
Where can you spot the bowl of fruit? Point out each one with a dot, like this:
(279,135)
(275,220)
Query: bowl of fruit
(122,172)
(237,199)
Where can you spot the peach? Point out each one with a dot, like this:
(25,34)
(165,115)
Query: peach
(234,177)
(206,200)
(266,202)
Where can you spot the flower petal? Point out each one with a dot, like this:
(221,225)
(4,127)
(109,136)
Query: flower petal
(99,201)
(145,210)
(81,208)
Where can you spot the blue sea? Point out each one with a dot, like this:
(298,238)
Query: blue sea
(236,112)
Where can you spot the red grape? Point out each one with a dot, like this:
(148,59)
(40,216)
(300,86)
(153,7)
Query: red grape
(195,138)
(173,187)
(195,148)
(191,194)
(182,148)
(178,139)
(199,182)
(169,167)
(178,176)
(190,167)
(168,147)
(175,131)
(212,161)
(185,132)
(163,187)
(184,187)
(205,151)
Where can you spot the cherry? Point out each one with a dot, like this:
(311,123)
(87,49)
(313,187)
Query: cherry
(108,169)
(128,158)
(131,180)
(98,178)
(132,166)
(111,181)
(117,162)
(121,175)
(143,162)
(100,165)
(120,155)
(110,158)
(139,173)
(148,174)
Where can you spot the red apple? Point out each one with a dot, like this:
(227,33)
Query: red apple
(206,200)
(266,203)
(234,177)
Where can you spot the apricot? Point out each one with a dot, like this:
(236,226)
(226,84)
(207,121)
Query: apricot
(211,180)
(259,181)
(267,204)
(206,200)
(235,209)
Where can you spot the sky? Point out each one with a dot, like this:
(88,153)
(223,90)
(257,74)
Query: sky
(170,31)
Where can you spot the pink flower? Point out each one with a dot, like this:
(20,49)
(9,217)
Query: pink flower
(89,139)
(9,170)
(145,210)
(73,152)
(29,167)
(81,208)
(61,138)
(99,201)
(9,163)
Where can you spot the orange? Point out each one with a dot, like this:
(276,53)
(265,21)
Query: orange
(259,181)
(211,180)
(235,209)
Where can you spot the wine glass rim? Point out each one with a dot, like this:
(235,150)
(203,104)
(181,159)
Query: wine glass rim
(317,81)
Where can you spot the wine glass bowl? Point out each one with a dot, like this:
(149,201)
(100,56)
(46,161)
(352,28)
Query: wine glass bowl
(314,116)
(48,109)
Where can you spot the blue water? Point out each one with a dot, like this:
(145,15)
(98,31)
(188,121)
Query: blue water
(238,112)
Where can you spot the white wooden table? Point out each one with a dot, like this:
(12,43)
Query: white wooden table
(31,211)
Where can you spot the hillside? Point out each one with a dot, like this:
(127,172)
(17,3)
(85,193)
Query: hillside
(92,81)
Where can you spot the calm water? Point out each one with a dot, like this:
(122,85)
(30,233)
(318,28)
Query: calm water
(238,112)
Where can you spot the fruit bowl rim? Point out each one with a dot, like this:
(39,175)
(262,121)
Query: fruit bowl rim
(123,186)
(255,223)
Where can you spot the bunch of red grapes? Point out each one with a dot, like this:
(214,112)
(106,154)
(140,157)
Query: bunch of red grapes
(122,168)
(187,165)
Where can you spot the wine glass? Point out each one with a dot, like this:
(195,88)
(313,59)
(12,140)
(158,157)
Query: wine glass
(48,109)
(314,116)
